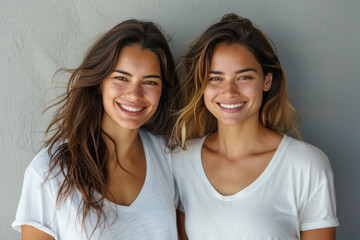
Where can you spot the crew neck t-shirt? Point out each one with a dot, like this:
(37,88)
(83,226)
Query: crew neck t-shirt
(152,215)
(294,193)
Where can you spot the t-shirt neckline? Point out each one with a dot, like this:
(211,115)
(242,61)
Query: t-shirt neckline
(252,186)
(147,178)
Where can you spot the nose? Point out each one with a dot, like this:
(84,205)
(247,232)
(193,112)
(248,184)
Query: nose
(134,91)
(230,88)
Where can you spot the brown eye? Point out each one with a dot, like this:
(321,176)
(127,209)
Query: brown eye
(214,79)
(151,83)
(245,78)
(120,78)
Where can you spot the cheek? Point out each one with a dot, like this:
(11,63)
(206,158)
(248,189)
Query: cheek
(111,90)
(253,91)
(256,93)
(154,95)
(209,93)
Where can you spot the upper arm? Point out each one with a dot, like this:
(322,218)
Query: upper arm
(181,225)
(319,234)
(29,232)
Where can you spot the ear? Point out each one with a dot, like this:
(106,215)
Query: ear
(267,81)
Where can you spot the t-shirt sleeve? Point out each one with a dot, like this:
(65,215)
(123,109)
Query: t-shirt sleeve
(36,205)
(320,208)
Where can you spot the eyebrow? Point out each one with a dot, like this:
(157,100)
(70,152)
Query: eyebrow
(130,75)
(236,72)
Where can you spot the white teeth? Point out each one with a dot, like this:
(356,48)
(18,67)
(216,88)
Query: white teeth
(130,108)
(231,105)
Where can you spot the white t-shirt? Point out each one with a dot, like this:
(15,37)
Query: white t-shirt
(294,193)
(151,216)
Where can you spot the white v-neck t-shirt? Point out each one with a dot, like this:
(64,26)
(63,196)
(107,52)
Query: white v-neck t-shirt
(152,215)
(294,193)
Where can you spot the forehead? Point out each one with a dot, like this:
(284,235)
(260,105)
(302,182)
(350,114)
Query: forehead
(233,55)
(136,59)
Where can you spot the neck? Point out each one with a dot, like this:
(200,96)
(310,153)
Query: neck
(239,140)
(125,139)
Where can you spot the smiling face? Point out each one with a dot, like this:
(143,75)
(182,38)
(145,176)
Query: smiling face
(234,90)
(131,93)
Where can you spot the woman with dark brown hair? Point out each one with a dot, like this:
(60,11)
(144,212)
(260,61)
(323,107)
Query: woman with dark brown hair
(241,176)
(105,172)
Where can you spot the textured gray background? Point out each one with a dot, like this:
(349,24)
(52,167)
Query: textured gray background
(318,45)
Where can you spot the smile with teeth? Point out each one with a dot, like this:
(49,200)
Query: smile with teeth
(130,109)
(231,106)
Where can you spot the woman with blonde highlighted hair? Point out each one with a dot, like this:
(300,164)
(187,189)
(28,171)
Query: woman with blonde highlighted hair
(238,172)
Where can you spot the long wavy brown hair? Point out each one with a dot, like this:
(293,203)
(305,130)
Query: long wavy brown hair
(76,144)
(194,120)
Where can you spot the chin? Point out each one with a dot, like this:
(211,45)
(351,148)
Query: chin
(231,122)
(131,125)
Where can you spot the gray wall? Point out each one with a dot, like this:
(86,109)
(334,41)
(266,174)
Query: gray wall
(317,43)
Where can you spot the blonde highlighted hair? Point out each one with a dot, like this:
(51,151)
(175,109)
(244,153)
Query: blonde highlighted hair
(194,120)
